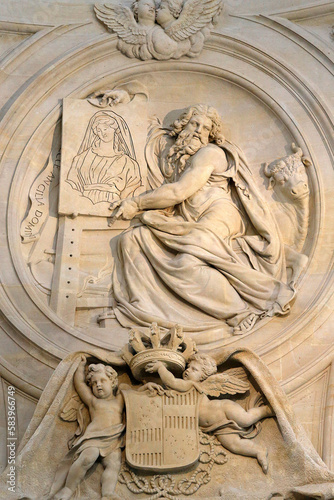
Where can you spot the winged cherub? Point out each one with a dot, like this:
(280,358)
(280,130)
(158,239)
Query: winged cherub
(226,419)
(190,20)
(181,28)
(100,432)
(102,436)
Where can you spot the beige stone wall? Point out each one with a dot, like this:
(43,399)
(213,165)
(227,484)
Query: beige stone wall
(268,68)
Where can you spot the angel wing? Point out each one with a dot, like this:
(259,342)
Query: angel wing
(75,410)
(223,383)
(195,15)
(237,372)
(120,19)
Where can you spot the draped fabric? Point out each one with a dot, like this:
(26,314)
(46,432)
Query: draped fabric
(303,460)
(213,261)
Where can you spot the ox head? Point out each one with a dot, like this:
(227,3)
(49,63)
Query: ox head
(289,176)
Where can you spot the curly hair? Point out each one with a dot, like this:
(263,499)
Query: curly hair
(208,364)
(174,6)
(107,370)
(210,112)
(134,8)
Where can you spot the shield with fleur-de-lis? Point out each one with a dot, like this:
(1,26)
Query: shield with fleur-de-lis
(161,431)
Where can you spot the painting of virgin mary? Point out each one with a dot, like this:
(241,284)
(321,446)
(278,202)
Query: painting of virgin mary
(105,168)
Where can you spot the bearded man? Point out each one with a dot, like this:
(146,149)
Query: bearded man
(208,254)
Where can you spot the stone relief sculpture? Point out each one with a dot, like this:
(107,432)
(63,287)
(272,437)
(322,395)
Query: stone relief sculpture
(197,239)
(176,426)
(122,94)
(208,248)
(224,418)
(102,436)
(105,168)
(41,193)
(288,178)
(166,30)
(205,233)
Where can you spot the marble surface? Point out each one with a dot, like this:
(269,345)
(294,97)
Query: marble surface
(268,71)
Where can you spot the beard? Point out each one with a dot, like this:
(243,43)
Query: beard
(186,145)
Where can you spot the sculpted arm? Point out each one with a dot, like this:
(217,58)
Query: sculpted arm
(172,194)
(168,378)
(203,163)
(194,178)
(80,384)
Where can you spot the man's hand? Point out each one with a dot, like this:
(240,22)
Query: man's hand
(128,209)
(154,366)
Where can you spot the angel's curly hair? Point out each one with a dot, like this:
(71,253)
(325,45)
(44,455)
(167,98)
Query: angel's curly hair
(107,370)
(175,7)
(208,364)
(216,134)
(134,8)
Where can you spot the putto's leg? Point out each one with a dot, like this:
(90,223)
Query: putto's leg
(246,418)
(59,481)
(245,447)
(77,473)
(112,464)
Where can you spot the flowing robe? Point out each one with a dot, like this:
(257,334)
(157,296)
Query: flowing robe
(219,258)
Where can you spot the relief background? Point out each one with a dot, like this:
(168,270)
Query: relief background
(268,69)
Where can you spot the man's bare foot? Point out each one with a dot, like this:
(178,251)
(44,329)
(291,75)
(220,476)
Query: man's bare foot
(262,458)
(246,325)
(106,315)
(63,494)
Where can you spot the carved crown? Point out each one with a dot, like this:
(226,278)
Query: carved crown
(171,347)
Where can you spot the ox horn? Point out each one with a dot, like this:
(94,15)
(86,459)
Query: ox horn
(297,149)
(306,161)
(266,169)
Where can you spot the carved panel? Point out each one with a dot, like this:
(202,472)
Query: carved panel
(102,156)
(157,426)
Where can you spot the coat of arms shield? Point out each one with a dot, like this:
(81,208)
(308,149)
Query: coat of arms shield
(161,431)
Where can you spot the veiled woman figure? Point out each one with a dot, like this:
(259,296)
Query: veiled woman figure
(105,168)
